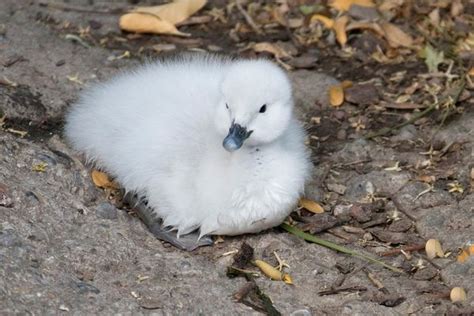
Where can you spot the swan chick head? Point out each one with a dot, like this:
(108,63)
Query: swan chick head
(256,104)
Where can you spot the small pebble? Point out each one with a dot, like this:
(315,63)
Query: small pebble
(107,211)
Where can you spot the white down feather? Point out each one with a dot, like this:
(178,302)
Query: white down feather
(159,131)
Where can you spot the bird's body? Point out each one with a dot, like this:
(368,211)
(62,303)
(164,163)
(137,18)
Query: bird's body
(159,131)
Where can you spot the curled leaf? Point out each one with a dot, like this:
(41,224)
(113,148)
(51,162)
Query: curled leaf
(147,23)
(457,295)
(273,49)
(160,19)
(272,272)
(327,22)
(395,36)
(345,5)
(102,180)
(433,249)
(340,29)
(336,95)
(463,256)
(311,206)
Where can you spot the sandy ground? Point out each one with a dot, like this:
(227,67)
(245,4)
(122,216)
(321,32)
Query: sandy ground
(64,249)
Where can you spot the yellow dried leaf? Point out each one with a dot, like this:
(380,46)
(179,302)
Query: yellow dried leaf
(346,84)
(101,180)
(336,95)
(174,12)
(470,250)
(433,249)
(287,279)
(457,295)
(327,22)
(395,36)
(311,206)
(463,256)
(340,29)
(146,23)
(269,270)
(41,167)
(471,71)
(160,19)
(345,5)
(273,49)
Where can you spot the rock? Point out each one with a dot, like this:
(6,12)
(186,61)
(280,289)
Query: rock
(106,210)
(362,94)
(311,87)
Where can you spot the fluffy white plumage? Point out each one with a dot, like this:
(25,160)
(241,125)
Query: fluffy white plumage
(160,129)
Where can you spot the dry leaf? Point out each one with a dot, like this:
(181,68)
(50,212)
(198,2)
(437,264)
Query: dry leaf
(345,5)
(311,206)
(465,253)
(472,173)
(433,249)
(272,272)
(340,29)
(273,49)
(160,19)
(328,23)
(174,12)
(426,178)
(346,84)
(336,95)
(463,256)
(395,36)
(471,71)
(457,295)
(147,23)
(374,27)
(101,180)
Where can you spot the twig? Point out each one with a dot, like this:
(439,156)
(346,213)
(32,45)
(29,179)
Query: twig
(406,248)
(417,116)
(248,18)
(351,163)
(325,243)
(343,289)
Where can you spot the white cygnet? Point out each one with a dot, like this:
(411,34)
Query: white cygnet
(210,142)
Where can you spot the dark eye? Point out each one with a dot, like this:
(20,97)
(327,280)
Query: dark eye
(263,108)
(226,106)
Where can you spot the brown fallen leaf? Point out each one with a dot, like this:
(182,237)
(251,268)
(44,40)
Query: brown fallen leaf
(336,95)
(395,36)
(371,26)
(311,206)
(273,49)
(102,180)
(160,19)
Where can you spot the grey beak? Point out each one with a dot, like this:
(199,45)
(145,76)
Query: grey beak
(236,137)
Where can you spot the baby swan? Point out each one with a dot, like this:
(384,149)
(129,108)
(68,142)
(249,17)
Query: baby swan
(210,142)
